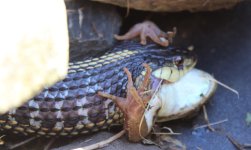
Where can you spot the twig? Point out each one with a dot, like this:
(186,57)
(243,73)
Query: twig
(22,143)
(47,147)
(207,120)
(170,132)
(246,145)
(141,121)
(198,148)
(88,140)
(235,143)
(211,124)
(103,143)
(225,86)
(127,8)
(161,133)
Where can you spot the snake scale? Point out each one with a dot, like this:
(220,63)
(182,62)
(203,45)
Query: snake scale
(72,106)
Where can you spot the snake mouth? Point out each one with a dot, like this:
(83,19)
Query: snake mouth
(174,73)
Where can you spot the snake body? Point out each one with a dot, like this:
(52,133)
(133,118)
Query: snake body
(72,106)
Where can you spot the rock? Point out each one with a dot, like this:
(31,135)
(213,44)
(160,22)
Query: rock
(34,48)
(173,5)
(91,27)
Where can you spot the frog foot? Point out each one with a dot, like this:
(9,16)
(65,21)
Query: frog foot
(151,30)
(133,106)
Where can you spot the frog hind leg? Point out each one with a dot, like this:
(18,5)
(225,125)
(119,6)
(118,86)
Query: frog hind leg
(133,106)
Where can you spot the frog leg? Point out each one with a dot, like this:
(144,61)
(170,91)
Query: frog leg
(133,107)
(148,29)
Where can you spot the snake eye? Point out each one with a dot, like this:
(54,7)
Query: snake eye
(178,61)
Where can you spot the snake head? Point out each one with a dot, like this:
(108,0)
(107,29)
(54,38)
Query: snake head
(178,63)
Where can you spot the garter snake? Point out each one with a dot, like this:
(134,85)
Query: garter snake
(72,107)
